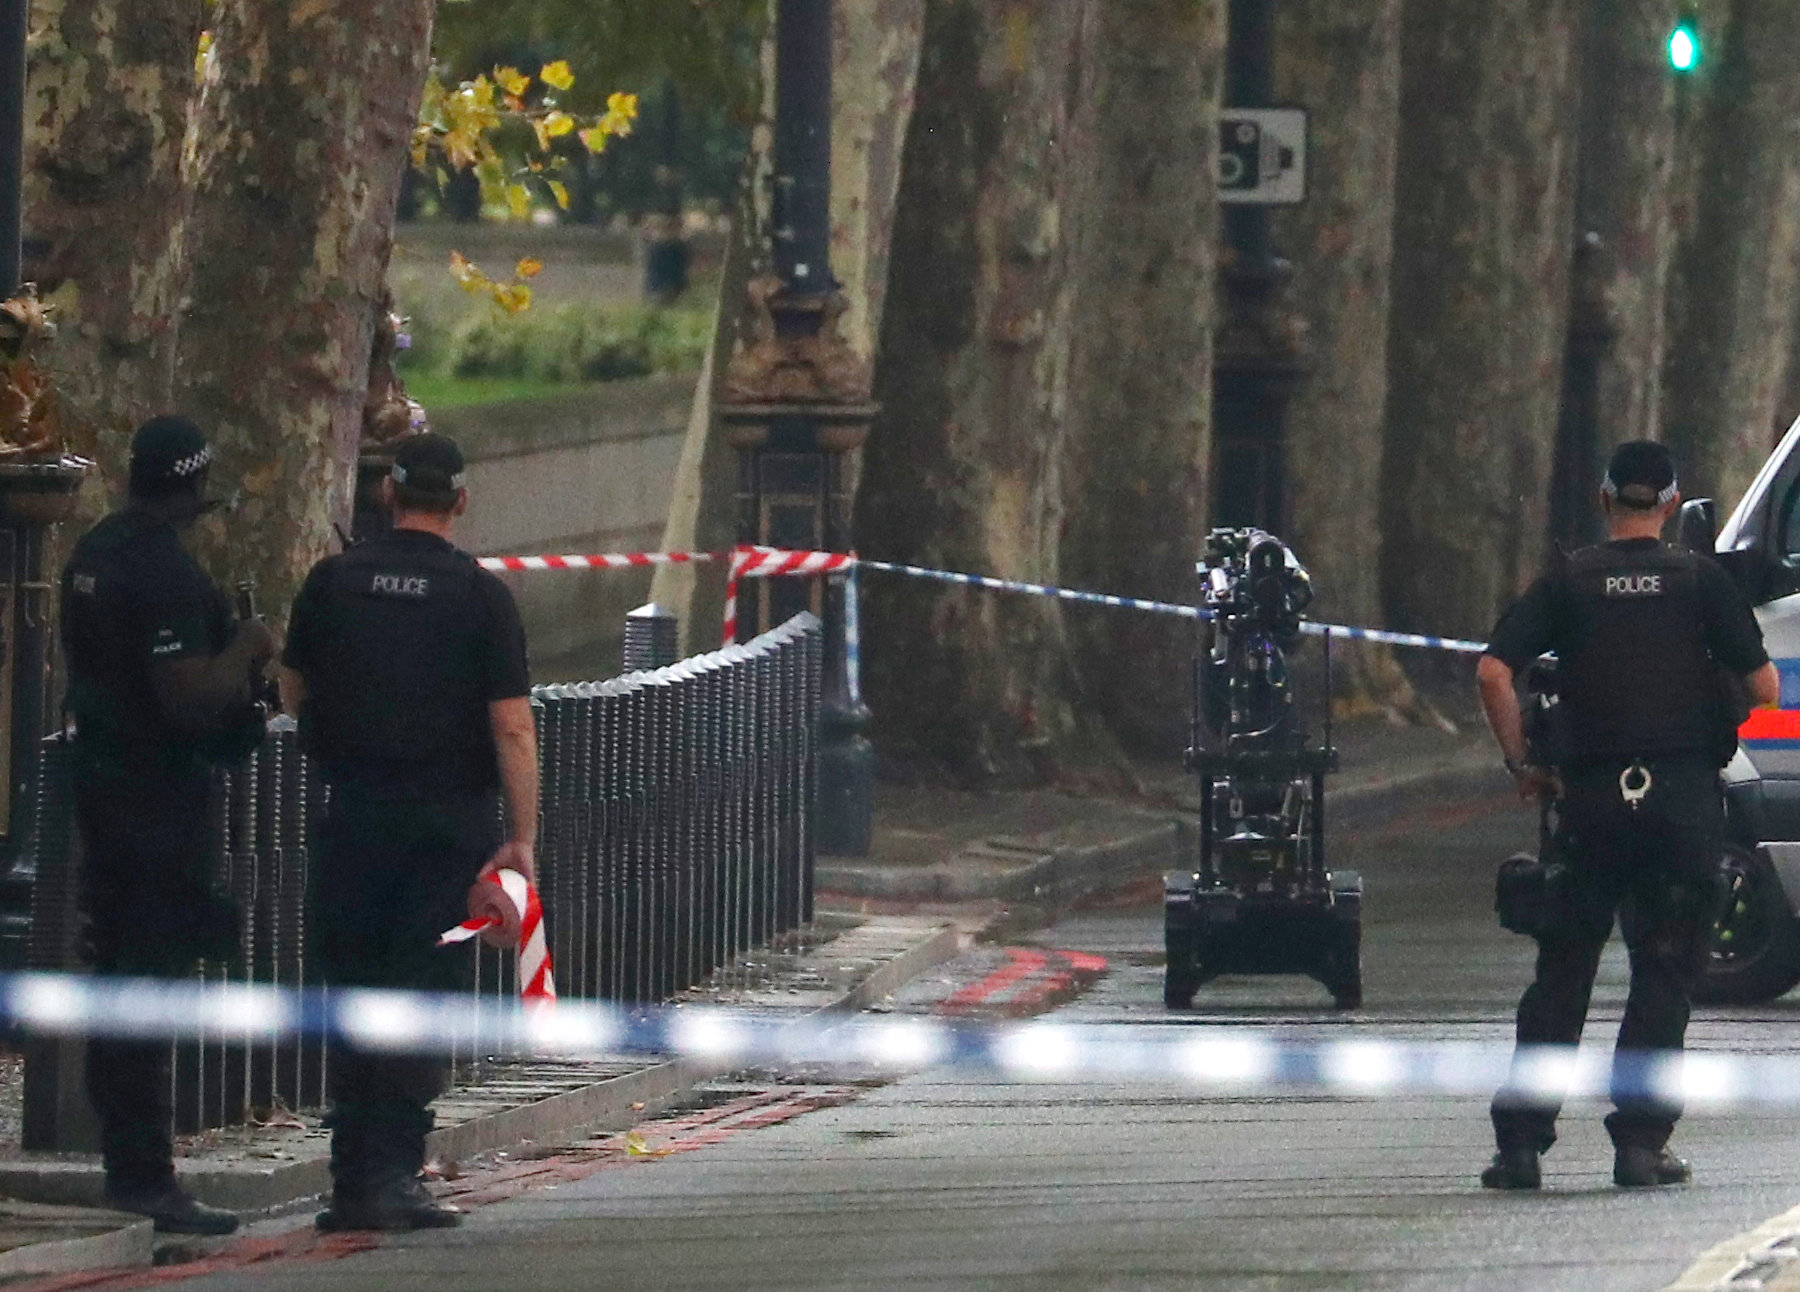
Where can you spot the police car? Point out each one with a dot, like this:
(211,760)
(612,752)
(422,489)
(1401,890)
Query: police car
(1756,954)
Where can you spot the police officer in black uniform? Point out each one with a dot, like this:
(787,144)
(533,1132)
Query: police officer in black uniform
(159,686)
(1645,636)
(405,662)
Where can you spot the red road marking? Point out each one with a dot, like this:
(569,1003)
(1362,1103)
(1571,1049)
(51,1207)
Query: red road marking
(1042,978)
(661,1138)
(1020,963)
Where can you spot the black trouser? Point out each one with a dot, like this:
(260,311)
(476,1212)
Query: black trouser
(146,851)
(1655,866)
(393,874)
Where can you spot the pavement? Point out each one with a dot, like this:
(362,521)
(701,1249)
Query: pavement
(946,866)
(959,1178)
(945,845)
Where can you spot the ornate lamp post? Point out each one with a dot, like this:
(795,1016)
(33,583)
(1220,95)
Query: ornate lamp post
(797,404)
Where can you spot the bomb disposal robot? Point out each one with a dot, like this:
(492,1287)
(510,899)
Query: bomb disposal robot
(1260,898)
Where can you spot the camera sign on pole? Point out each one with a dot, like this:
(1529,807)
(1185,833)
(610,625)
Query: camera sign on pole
(1262,156)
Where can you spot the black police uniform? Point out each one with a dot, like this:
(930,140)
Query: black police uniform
(132,597)
(403,642)
(1642,633)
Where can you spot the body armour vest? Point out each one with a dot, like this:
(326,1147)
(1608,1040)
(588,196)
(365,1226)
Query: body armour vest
(396,694)
(1636,678)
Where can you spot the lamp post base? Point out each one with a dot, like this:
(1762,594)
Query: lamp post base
(846,822)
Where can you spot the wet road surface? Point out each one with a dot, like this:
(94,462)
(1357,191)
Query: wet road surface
(940,1180)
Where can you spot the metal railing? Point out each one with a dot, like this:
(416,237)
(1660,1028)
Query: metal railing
(675,836)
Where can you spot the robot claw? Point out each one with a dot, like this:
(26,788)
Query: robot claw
(1260,898)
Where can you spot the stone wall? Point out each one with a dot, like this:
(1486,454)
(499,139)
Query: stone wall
(589,471)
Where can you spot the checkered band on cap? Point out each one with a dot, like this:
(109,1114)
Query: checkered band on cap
(192,464)
(1610,488)
(399,474)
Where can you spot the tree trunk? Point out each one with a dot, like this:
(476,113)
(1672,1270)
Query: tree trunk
(1483,224)
(108,90)
(1136,486)
(300,138)
(1627,167)
(965,465)
(1343,63)
(876,52)
(1740,261)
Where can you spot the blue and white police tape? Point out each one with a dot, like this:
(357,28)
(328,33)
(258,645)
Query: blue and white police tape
(853,636)
(1221,1059)
(1167,607)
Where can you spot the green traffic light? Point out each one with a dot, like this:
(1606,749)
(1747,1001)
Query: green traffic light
(1684,47)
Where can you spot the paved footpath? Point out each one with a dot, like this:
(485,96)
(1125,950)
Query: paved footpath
(937,1181)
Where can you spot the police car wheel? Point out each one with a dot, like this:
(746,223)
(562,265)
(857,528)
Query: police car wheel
(1342,974)
(1755,952)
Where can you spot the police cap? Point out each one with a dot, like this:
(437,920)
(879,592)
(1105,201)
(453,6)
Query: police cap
(429,466)
(1641,475)
(169,455)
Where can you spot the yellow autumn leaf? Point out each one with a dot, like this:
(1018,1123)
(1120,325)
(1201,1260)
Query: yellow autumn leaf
(557,75)
(623,105)
(558,124)
(514,298)
(529,268)
(471,279)
(594,139)
(518,200)
(490,173)
(636,1147)
(200,55)
(512,81)
(561,192)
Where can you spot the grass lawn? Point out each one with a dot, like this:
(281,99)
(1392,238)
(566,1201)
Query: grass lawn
(435,391)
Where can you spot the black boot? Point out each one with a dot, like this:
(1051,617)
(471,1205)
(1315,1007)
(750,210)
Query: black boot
(1513,1167)
(400,1204)
(1638,1167)
(172,1210)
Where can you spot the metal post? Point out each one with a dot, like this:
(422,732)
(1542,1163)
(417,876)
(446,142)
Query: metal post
(803,147)
(1250,83)
(666,253)
(652,638)
(13,22)
(1256,366)
(797,410)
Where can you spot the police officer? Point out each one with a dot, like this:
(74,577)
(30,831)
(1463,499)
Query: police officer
(405,662)
(1645,635)
(159,685)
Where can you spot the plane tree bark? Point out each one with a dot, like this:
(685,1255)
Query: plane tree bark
(108,88)
(1480,304)
(1343,63)
(965,469)
(1137,482)
(300,137)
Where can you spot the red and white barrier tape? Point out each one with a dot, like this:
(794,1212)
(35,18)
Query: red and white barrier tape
(774,563)
(768,562)
(602,561)
(504,911)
